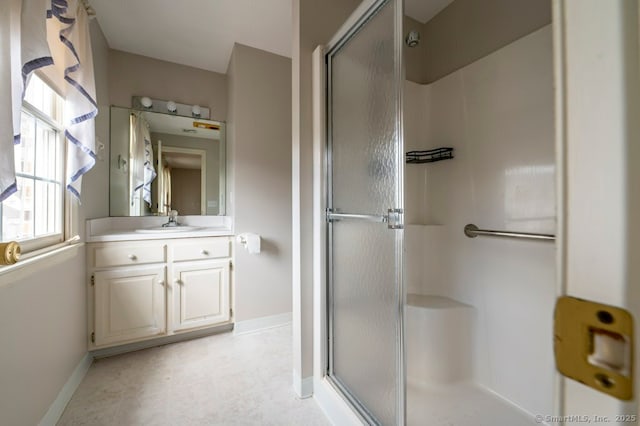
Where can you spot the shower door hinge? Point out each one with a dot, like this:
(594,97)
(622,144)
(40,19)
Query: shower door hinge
(93,337)
(395,219)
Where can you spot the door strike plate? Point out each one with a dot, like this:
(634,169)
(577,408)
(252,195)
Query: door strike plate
(593,344)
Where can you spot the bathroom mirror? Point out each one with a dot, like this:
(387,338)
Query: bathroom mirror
(162,162)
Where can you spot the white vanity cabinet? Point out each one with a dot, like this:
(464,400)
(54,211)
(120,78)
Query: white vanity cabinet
(201,285)
(130,304)
(141,290)
(201,294)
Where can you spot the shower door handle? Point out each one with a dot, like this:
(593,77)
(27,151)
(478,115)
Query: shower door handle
(332,217)
(394,217)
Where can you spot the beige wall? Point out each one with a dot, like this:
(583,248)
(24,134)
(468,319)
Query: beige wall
(314,23)
(259,136)
(43,327)
(468,30)
(463,32)
(43,311)
(415,57)
(43,323)
(135,75)
(185,191)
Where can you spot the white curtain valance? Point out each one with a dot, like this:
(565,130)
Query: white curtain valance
(48,33)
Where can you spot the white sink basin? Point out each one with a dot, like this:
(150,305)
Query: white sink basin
(168,229)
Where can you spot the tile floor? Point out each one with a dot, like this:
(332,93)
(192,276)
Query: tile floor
(216,380)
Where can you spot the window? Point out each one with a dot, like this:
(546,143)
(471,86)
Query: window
(35,214)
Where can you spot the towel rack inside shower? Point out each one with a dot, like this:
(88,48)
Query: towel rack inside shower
(429,156)
(473,231)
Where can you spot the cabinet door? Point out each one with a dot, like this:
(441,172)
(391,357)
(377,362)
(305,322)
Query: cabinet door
(130,304)
(201,296)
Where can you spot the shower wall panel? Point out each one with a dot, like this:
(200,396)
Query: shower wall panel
(497,113)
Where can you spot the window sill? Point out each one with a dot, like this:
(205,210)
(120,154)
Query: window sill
(39,260)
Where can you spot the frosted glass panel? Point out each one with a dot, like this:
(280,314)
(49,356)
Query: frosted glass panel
(363,119)
(365,315)
(364,174)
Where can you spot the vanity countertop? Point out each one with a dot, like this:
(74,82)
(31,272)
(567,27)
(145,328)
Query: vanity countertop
(127,229)
(134,235)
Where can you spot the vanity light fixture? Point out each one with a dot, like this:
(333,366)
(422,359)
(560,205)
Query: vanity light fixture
(146,102)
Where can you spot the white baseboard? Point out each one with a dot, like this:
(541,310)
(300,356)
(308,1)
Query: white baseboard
(302,387)
(56,409)
(159,341)
(334,407)
(257,324)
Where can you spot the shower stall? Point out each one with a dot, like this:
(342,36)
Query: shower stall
(480,304)
(436,216)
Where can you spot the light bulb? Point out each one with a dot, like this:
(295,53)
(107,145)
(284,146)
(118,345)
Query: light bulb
(195,111)
(146,102)
(171,106)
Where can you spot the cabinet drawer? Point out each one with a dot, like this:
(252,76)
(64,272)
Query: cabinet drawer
(202,248)
(127,254)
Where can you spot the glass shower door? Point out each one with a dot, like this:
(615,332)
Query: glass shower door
(365,169)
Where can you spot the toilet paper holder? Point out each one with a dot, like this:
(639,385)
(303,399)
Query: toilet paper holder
(250,241)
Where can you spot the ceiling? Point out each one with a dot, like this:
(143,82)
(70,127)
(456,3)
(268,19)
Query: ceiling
(424,10)
(179,160)
(201,33)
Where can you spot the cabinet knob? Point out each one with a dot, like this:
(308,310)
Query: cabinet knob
(132,257)
(204,253)
(178,281)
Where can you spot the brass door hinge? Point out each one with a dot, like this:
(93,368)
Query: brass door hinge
(593,344)
(93,280)
(93,337)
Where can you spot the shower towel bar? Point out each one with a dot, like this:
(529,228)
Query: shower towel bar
(473,231)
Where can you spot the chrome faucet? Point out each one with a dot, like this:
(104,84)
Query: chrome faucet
(173,219)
